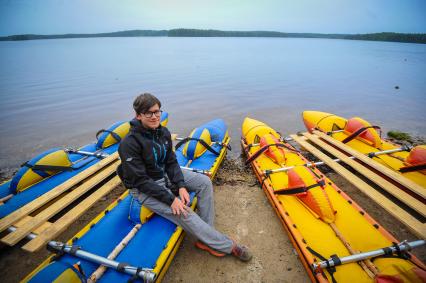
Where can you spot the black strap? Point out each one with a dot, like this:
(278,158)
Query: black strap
(228,146)
(121,266)
(208,147)
(412,168)
(58,254)
(47,167)
(336,259)
(330,269)
(263,180)
(399,254)
(114,135)
(299,190)
(74,249)
(135,276)
(263,149)
(358,132)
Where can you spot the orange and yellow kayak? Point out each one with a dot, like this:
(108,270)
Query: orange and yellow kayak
(320,218)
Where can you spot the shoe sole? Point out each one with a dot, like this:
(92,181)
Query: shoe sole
(206,248)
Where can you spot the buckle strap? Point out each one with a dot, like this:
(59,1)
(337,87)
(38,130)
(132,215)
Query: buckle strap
(330,269)
(264,148)
(47,167)
(358,132)
(207,146)
(412,168)
(299,190)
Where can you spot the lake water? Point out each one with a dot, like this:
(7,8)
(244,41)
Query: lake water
(60,92)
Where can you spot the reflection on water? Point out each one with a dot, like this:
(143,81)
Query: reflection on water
(60,92)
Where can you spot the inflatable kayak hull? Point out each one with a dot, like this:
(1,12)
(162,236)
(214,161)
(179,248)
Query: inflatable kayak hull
(321,220)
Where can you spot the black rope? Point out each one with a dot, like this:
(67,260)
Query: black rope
(320,120)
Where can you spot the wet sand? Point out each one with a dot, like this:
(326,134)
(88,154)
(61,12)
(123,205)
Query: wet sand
(244,213)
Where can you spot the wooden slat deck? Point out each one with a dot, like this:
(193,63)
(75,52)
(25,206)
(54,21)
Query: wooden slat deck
(407,183)
(414,224)
(62,223)
(58,200)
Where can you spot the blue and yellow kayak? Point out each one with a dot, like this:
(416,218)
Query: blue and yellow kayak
(157,240)
(55,166)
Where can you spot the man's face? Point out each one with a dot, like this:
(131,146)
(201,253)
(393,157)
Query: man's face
(151,118)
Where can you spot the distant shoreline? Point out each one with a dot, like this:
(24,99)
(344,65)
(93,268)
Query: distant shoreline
(383,36)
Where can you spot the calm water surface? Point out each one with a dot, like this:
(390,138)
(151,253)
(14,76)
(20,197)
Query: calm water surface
(60,92)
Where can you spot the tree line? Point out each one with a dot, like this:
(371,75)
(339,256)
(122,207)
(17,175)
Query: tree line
(383,36)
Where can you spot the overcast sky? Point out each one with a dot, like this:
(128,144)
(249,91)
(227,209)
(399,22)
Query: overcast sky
(321,16)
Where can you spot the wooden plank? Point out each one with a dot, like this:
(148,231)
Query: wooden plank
(20,233)
(8,220)
(412,223)
(69,218)
(414,187)
(384,184)
(26,219)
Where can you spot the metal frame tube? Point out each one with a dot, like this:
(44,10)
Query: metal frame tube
(371,154)
(403,246)
(146,274)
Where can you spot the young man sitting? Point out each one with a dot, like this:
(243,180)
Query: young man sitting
(150,169)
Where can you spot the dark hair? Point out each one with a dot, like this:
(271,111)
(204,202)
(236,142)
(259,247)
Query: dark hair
(143,102)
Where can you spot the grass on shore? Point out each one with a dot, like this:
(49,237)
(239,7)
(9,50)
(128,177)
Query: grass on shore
(399,135)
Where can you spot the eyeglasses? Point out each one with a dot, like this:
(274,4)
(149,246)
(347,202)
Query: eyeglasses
(149,114)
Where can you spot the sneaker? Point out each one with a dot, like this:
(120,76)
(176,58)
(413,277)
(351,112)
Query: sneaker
(241,252)
(204,247)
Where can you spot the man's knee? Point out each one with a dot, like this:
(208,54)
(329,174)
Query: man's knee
(206,185)
(205,180)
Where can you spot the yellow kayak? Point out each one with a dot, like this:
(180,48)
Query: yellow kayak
(365,138)
(320,218)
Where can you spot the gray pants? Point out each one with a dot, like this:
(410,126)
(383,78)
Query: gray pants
(200,226)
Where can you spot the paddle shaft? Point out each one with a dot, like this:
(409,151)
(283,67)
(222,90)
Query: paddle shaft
(101,269)
(6,198)
(404,246)
(146,274)
(371,155)
(366,264)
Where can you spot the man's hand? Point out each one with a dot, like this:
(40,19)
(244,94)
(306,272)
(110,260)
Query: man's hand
(179,208)
(184,196)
